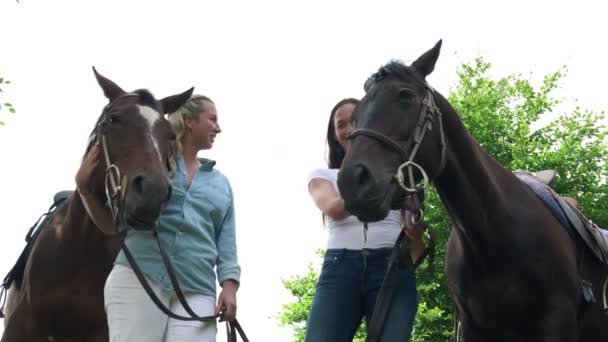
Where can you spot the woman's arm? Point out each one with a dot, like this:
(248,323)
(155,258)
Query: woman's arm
(228,269)
(99,213)
(327,199)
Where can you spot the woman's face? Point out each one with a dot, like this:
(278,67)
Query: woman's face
(205,127)
(343,124)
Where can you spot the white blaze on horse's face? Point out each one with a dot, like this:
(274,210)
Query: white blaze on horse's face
(152,117)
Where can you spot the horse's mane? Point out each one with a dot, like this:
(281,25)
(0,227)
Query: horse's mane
(394,68)
(147,99)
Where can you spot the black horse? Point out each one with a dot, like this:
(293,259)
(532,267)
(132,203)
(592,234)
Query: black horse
(514,272)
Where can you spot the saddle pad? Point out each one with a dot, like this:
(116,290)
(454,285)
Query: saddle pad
(16,273)
(545,194)
(572,219)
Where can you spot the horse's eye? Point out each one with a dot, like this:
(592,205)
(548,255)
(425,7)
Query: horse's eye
(406,94)
(113,118)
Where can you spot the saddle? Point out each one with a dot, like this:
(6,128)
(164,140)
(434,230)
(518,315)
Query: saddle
(595,238)
(15,275)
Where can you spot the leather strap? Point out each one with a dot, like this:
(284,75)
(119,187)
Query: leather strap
(386,293)
(233,327)
(400,259)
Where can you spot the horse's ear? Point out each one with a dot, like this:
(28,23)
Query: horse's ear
(110,89)
(425,64)
(172,103)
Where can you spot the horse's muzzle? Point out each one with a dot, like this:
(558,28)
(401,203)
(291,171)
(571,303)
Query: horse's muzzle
(144,199)
(364,196)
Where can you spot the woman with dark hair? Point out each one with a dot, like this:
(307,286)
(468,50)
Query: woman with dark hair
(355,262)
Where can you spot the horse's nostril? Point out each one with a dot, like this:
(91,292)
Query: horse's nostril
(361,174)
(138,184)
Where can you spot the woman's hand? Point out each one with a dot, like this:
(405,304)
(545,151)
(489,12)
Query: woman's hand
(94,207)
(87,167)
(414,234)
(227,301)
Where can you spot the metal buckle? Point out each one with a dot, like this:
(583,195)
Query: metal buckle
(401,177)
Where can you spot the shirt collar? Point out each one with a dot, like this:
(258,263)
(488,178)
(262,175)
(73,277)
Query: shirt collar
(206,164)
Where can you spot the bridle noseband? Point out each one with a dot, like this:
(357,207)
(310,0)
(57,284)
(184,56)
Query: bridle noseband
(429,113)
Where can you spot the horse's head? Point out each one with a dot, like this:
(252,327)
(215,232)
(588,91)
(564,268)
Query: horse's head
(396,122)
(138,145)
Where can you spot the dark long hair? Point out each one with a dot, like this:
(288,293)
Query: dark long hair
(335,151)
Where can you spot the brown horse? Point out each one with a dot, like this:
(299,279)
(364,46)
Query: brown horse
(61,293)
(514,273)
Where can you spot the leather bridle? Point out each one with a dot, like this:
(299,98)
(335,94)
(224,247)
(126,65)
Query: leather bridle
(429,114)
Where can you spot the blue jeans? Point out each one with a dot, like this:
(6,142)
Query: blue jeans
(346,291)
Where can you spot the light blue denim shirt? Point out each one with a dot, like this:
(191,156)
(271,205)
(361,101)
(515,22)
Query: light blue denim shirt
(196,229)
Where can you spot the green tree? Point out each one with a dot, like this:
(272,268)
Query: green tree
(501,114)
(6,105)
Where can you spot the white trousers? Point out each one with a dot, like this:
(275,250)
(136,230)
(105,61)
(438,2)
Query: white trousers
(133,316)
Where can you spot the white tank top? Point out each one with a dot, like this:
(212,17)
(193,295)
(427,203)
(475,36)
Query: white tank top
(349,233)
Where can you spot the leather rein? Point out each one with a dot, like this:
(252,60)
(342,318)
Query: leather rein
(116,190)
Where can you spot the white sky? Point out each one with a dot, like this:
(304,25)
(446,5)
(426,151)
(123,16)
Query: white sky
(274,69)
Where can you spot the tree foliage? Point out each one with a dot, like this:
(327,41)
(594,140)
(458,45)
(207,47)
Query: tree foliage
(5,105)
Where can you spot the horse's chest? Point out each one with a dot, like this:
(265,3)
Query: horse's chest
(497,300)
(496,296)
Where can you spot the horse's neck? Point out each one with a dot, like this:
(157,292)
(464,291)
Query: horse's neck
(473,187)
(80,241)
(77,225)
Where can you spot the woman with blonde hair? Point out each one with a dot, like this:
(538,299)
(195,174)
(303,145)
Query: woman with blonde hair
(196,228)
